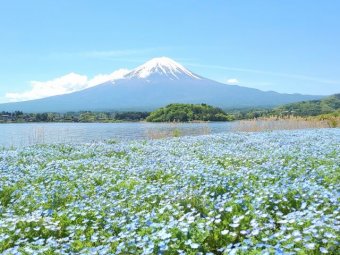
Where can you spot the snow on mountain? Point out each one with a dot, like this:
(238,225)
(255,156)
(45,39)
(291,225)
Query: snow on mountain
(156,83)
(162,67)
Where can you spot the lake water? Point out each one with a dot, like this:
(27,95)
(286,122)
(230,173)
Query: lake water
(18,135)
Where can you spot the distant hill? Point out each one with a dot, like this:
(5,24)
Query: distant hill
(158,82)
(188,112)
(312,107)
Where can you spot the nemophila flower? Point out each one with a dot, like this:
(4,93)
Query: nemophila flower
(296,233)
(164,192)
(279,251)
(323,250)
(164,235)
(163,246)
(310,246)
(234,225)
(329,235)
(244,232)
(228,209)
(194,245)
(233,234)
(255,232)
(225,232)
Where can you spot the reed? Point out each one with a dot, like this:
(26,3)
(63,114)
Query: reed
(37,137)
(176,131)
(159,133)
(283,123)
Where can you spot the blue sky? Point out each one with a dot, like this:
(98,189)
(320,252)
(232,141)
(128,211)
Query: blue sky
(286,46)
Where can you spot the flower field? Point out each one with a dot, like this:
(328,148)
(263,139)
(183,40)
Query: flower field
(234,193)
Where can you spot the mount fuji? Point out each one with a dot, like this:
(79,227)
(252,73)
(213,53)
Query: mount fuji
(156,83)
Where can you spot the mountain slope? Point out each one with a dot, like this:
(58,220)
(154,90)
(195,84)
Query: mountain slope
(158,82)
(313,107)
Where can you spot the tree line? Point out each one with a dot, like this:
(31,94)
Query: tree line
(326,107)
(19,116)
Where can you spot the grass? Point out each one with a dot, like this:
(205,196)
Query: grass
(285,123)
(176,130)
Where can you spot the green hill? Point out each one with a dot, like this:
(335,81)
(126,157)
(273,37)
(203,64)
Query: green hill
(188,112)
(326,105)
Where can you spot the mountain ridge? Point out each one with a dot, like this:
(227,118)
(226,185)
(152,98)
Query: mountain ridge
(156,83)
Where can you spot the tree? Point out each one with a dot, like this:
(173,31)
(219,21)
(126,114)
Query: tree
(188,112)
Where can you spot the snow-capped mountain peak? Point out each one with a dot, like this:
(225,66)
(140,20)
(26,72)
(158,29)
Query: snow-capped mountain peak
(162,67)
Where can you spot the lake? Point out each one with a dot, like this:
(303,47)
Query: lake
(24,134)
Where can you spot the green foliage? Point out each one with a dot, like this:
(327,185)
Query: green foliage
(311,108)
(131,116)
(331,118)
(333,123)
(6,194)
(176,133)
(88,116)
(188,112)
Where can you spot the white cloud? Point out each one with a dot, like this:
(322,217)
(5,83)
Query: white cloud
(100,78)
(233,81)
(62,85)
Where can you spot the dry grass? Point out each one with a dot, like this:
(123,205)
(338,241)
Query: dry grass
(176,131)
(37,137)
(284,123)
(159,134)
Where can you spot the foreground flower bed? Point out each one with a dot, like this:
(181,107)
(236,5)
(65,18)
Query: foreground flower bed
(237,193)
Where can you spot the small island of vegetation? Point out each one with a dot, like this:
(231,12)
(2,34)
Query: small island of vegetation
(188,112)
